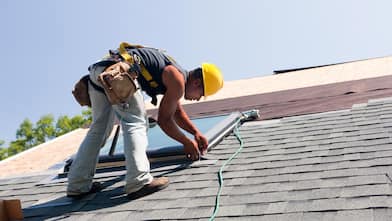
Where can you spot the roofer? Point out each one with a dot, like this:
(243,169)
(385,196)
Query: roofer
(156,73)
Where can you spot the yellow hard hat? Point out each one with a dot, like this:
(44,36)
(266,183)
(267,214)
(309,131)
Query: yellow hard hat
(212,78)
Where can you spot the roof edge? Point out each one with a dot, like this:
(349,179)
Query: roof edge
(324,75)
(282,71)
(64,136)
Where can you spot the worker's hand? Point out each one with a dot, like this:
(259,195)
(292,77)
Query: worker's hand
(191,150)
(202,143)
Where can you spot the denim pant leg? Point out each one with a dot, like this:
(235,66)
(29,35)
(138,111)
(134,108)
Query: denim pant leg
(134,126)
(83,166)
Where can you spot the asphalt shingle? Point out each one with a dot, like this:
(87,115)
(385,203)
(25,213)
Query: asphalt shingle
(328,166)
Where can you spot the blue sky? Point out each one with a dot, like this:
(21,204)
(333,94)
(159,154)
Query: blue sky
(46,45)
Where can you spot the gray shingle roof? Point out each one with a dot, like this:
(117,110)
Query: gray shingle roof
(328,166)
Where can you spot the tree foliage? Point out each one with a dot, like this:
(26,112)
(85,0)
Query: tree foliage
(2,149)
(46,128)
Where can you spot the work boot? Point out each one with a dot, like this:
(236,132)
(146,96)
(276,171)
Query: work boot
(156,185)
(95,187)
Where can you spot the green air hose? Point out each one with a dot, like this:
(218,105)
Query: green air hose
(220,176)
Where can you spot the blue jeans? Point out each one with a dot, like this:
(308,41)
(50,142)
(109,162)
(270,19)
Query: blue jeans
(134,123)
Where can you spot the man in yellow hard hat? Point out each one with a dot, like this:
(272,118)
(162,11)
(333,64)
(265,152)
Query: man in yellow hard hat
(158,73)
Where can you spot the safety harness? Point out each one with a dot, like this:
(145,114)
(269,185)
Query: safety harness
(131,61)
(138,66)
(80,91)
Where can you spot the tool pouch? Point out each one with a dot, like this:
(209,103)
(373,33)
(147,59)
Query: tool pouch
(80,91)
(118,83)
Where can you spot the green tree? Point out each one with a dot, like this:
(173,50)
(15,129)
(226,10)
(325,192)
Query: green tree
(44,129)
(25,133)
(29,135)
(3,153)
(65,124)
(17,146)
(3,150)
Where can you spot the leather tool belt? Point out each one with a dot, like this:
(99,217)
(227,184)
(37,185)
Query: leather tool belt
(118,83)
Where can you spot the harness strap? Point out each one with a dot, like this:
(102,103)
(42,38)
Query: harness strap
(87,79)
(127,57)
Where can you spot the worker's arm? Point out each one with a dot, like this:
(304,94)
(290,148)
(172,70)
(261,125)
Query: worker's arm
(175,87)
(182,120)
